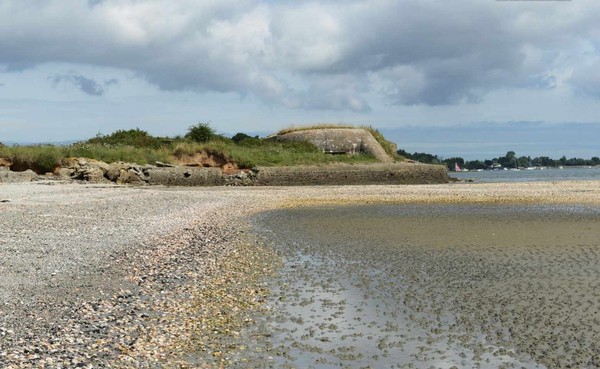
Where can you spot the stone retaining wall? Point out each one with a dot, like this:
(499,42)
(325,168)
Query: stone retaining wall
(132,174)
(352,175)
(301,175)
(184,176)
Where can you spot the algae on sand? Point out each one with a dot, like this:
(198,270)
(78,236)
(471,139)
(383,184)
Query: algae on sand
(435,285)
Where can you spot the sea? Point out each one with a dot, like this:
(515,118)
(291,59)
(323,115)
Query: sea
(524,175)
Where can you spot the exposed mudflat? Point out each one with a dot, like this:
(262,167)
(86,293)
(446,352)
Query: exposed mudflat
(122,277)
(435,286)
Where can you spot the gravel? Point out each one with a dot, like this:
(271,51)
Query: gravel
(109,276)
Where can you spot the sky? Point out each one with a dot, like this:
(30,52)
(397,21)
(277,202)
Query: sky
(72,69)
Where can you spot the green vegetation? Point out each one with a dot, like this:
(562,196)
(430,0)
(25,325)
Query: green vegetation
(45,158)
(201,132)
(133,138)
(420,157)
(510,160)
(110,154)
(253,151)
(239,137)
(389,147)
(40,159)
(140,147)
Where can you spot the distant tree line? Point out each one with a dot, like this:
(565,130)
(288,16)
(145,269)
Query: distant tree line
(510,160)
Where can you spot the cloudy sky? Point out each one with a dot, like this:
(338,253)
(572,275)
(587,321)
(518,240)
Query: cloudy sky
(70,69)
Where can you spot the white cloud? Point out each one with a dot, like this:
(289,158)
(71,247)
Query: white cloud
(315,54)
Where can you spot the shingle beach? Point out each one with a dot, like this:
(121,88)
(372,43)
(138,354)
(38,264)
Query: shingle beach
(97,276)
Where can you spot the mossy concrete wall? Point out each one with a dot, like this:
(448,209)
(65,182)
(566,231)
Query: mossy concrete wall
(352,175)
(398,173)
(184,176)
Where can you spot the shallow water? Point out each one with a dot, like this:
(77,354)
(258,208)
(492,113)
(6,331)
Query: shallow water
(431,287)
(546,175)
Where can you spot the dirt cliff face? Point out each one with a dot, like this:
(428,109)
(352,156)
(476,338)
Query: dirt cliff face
(208,160)
(340,141)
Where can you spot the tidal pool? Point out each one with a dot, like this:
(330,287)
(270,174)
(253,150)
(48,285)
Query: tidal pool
(431,286)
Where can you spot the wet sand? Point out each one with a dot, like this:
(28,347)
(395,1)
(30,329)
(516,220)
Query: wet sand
(435,286)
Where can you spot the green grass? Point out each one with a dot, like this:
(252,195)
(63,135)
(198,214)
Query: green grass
(138,146)
(45,158)
(40,159)
(133,137)
(388,146)
(110,154)
(247,154)
(254,152)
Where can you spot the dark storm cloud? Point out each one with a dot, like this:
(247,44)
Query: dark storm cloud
(84,84)
(314,54)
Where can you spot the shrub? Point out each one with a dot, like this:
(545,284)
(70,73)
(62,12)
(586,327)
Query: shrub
(41,159)
(201,132)
(221,138)
(133,137)
(251,142)
(239,137)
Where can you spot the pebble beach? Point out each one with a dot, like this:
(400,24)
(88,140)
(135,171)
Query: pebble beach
(103,276)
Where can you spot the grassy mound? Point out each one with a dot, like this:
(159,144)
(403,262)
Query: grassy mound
(140,147)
